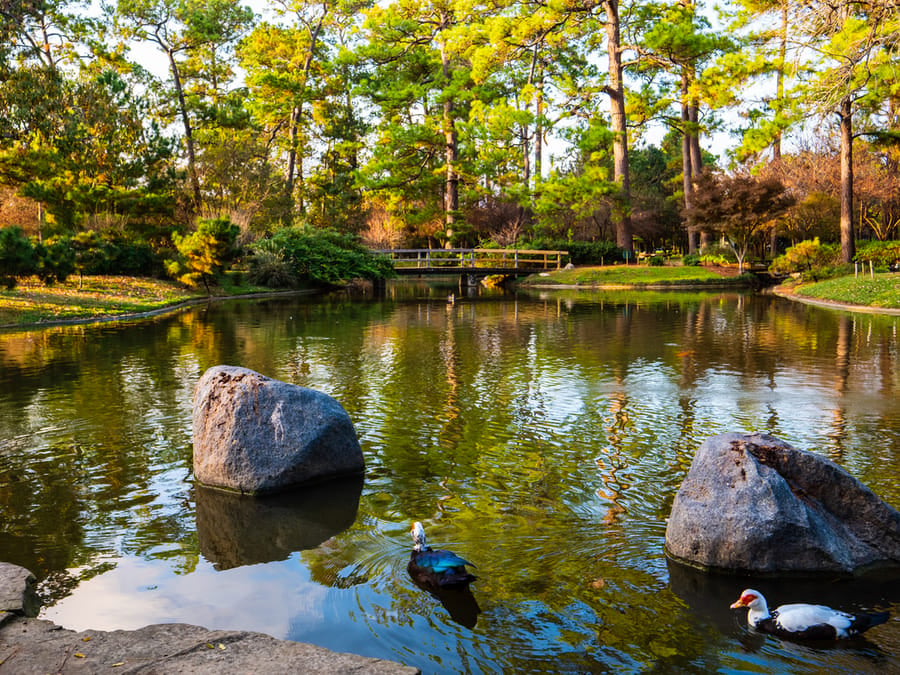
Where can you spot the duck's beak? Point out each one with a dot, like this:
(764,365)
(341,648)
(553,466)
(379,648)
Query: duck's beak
(739,603)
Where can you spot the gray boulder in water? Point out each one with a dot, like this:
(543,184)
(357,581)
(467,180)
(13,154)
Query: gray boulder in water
(256,435)
(754,504)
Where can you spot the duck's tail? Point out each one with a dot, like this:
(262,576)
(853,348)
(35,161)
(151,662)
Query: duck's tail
(863,622)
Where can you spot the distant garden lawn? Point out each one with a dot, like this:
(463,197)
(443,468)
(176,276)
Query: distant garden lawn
(34,302)
(639,275)
(101,297)
(881,291)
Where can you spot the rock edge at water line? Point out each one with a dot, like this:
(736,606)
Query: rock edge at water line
(32,646)
(752,504)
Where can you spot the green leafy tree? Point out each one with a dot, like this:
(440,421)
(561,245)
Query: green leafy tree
(205,252)
(196,38)
(677,45)
(81,148)
(421,82)
(856,68)
(767,32)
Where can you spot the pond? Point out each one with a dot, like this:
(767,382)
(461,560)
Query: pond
(541,435)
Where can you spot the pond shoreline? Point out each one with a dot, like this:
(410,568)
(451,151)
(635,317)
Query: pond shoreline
(781,291)
(789,294)
(159,311)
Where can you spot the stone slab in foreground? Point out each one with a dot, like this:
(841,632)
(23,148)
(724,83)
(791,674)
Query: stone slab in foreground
(753,504)
(32,646)
(256,435)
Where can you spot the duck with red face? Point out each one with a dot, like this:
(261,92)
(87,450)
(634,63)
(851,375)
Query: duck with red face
(803,621)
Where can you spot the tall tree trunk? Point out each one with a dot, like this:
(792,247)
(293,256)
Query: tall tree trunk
(687,173)
(451,192)
(622,208)
(296,116)
(539,126)
(696,155)
(779,79)
(188,129)
(295,164)
(848,243)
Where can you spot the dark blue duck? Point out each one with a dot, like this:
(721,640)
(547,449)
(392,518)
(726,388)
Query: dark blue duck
(437,569)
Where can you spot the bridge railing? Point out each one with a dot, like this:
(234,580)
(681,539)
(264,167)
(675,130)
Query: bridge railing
(461,259)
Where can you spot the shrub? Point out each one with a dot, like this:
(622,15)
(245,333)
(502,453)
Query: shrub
(55,260)
(656,261)
(882,254)
(205,253)
(717,254)
(268,267)
(17,256)
(323,256)
(580,252)
(690,260)
(811,258)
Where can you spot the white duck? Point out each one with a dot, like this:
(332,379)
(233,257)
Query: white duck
(806,622)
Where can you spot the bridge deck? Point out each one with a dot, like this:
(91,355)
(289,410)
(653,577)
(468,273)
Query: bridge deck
(481,261)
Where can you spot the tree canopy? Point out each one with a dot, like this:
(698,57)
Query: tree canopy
(446,122)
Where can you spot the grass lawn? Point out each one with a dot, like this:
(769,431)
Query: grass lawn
(637,275)
(31,301)
(882,291)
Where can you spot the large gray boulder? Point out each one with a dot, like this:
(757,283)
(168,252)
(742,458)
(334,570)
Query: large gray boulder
(754,504)
(256,435)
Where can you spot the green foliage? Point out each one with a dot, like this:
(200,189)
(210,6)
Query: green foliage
(816,215)
(599,252)
(882,254)
(810,258)
(82,147)
(656,261)
(55,260)
(690,260)
(325,257)
(17,256)
(90,253)
(205,253)
(578,191)
(269,267)
(717,254)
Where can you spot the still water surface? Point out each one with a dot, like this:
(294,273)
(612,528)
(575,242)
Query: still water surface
(541,435)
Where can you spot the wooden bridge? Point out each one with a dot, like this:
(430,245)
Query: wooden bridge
(472,261)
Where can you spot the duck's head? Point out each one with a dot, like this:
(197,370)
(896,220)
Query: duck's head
(750,598)
(418,536)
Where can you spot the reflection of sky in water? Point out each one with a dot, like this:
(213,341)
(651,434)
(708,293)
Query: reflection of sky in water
(140,592)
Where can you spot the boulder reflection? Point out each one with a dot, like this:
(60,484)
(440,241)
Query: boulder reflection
(235,530)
